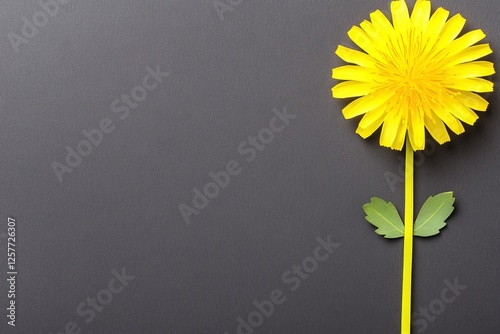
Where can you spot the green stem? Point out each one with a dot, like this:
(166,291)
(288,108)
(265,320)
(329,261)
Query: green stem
(408,242)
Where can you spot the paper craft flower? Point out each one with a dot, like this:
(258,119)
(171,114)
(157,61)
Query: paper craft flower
(413,75)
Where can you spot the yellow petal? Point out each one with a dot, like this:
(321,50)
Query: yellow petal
(355,57)
(365,133)
(366,103)
(380,40)
(448,119)
(472,100)
(371,121)
(400,136)
(378,37)
(437,129)
(420,14)
(353,72)
(381,22)
(361,38)
(390,128)
(434,27)
(416,129)
(450,31)
(370,29)
(351,89)
(477,85)
(372,117)
(463,42)
(456,47)
(457,109)
(469,54)
(471,70)
(400,16)
(464,114)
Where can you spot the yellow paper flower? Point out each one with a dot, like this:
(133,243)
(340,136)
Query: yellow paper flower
(414,74)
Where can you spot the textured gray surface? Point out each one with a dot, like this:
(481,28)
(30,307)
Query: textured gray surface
(120,206)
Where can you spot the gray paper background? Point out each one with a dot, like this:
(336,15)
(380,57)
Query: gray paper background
(120,207)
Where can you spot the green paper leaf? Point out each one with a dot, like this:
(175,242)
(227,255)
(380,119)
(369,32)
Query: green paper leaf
(433,214)
(384,216)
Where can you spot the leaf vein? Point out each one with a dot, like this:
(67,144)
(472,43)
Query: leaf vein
(388,221)
(430,217)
